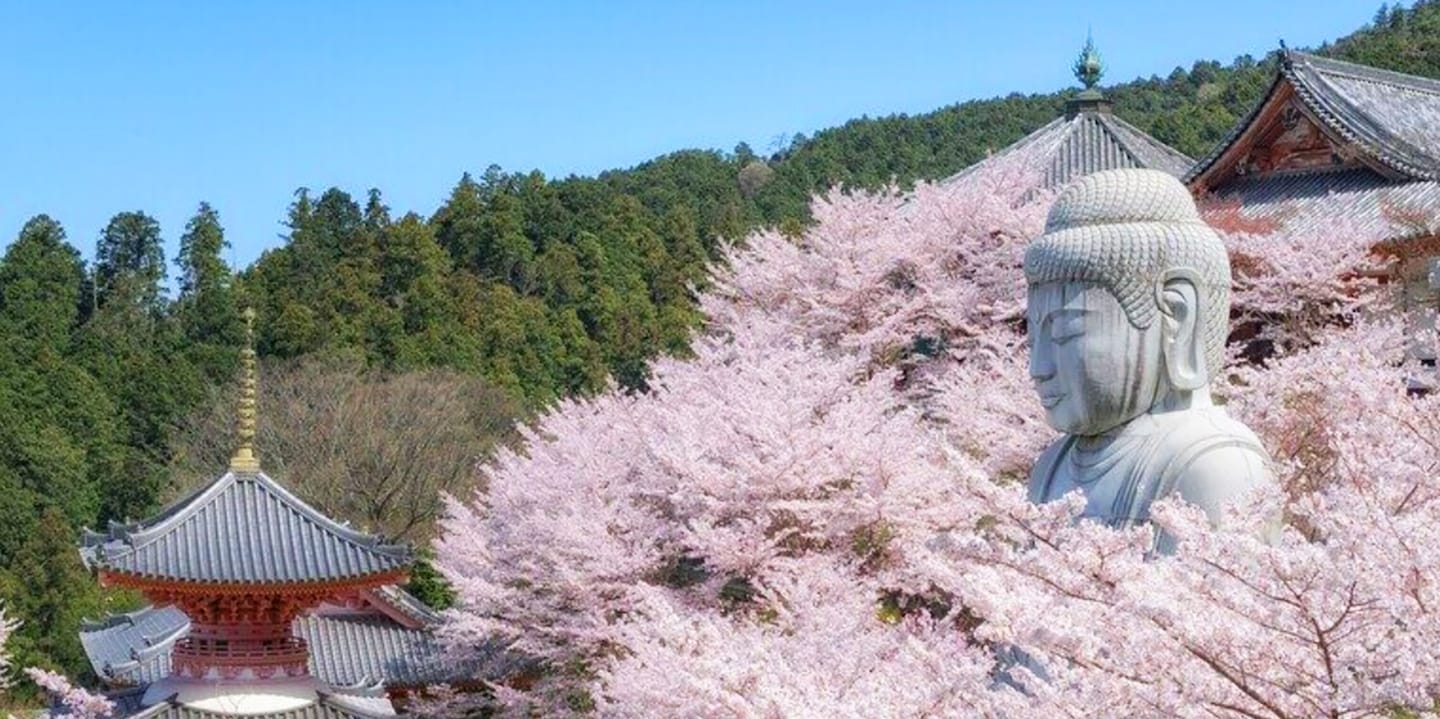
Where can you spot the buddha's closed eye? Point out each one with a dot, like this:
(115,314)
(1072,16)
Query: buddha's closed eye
(1064,325)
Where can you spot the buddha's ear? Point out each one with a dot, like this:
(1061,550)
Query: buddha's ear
(1181,340)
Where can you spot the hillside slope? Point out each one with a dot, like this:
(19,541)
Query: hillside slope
(1189,110)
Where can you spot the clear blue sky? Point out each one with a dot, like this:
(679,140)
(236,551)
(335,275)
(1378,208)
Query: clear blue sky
(157,105)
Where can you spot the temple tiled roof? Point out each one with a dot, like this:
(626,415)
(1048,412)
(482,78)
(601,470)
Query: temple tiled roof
(347,648)
(1085,141)
(242,528)
(1315,205)
(407,604)
(362,650)
(134,648)
(329,706)
(1391,118)
(1386,123)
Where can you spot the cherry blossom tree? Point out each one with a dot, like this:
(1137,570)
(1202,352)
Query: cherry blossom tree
(822,513)
(77,703)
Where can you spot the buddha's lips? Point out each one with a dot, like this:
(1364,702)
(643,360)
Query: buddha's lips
(1050,400)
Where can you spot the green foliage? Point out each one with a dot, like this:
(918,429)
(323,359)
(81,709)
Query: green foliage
(1403,40)
(46,586)
(40,282)
(545,288)
(91,382)
(428,585)
(130,261)
(206,310)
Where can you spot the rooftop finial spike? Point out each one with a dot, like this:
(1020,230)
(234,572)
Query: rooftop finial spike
(1088,67)
(244,459)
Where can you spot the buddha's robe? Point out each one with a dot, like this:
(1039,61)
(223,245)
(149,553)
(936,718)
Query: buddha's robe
(1203,454)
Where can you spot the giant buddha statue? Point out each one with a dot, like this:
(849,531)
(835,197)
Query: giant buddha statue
(1128,309)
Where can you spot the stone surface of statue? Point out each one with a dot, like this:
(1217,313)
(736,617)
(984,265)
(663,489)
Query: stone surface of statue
(1128,310)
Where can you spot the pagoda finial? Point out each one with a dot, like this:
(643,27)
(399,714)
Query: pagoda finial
(1088,67)
(244,459)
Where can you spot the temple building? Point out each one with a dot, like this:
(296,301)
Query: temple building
(1333,141)
(261,606)
(1339,147)
(1088,138)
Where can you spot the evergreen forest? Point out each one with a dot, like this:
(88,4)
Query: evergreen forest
(517,292)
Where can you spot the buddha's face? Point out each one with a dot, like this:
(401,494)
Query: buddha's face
(1093,370)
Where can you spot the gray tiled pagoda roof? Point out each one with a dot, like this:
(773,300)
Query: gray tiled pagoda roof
(407,604)
(134,648)
(242,528)
(347,649)
(363,650)
(329,706)
(1085,142)
(1390,117)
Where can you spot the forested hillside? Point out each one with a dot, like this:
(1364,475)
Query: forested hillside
(518,290)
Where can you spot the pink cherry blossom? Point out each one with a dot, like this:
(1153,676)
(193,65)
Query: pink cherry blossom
(78,703)
(822,512)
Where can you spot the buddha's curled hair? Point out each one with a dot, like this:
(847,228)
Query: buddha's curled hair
(1124,230)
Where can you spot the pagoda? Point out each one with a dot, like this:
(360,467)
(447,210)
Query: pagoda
(1087,138)
(249,584)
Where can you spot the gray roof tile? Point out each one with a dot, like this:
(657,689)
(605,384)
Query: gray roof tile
(134,648)
(1315,204)
(1391,117)
(242,528)
(1086,142)
(329,706)
(362,650)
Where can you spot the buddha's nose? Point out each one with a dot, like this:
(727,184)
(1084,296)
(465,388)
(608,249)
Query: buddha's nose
(1042,366)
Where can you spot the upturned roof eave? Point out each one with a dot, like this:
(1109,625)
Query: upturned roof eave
(110,551)
(1204,164)
(393,598)
(1335,114)
(1342,116)
(118,577)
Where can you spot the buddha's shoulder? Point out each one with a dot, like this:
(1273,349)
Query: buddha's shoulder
(1052,453)
(1209,458)
(1200,431)
(1040,472)
(1204,453)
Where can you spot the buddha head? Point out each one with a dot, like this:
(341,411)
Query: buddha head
(1129,302)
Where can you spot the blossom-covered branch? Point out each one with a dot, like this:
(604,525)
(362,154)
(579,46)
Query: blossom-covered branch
(78,703)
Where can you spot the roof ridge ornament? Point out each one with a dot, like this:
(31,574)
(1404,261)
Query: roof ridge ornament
(245,460)
(1089,68)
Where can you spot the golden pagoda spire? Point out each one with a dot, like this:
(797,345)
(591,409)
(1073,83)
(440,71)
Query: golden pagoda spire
(244,459)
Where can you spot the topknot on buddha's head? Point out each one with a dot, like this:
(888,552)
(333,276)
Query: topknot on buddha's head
(1128,230)
(1122,196)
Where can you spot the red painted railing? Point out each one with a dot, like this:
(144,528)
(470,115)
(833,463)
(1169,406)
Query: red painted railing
(230,659)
